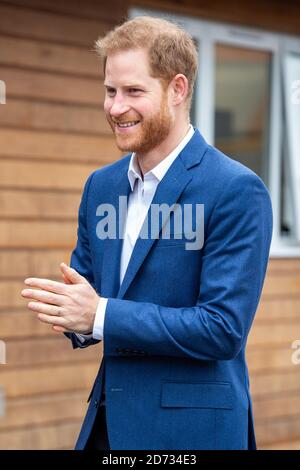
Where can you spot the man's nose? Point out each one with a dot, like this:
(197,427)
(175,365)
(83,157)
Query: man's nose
(119,106)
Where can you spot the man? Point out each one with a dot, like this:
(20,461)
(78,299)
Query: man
(174,317)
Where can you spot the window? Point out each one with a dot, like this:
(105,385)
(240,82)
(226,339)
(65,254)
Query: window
(247,103)
(242,99)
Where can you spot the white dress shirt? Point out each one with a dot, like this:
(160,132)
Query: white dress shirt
(139,201)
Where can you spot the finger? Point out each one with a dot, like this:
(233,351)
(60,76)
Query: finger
(45,308)
(46,284)
(72,275)
(44,296)
(52,320)
(66,280)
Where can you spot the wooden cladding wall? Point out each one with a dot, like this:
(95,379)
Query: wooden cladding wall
(52,135)
(273,15)
(274,377)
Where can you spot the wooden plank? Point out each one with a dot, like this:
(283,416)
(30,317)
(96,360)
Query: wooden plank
(41,204)
(44,409)
(27,114)
(45,351)
(38,263)
(48,379)
(44,175)
(283,265)
(282,284)
(42,437)
(37,234)
(276,407)
(22,324)
(81,8)
(265,385)
(279,310)
(286,445)
(48,86)
(45,56)
(275,431)
(269,359)
(53,27)
(55,146)
(266,335)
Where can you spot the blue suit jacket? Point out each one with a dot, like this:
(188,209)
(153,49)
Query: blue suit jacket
(175,331)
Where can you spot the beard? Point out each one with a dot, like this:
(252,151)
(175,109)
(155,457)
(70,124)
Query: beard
(148,133)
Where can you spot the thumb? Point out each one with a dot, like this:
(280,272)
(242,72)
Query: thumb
(65,279)
(71,275)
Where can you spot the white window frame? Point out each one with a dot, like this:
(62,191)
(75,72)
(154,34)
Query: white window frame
(207,34)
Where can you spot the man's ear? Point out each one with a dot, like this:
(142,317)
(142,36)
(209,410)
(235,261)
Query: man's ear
(179,87)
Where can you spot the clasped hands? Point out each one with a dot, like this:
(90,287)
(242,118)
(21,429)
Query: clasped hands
(68,306)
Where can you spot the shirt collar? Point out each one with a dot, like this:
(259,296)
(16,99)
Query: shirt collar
(161,169)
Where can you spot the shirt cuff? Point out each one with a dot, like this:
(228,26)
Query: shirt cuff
(98,323)
(83,338)
(99,319)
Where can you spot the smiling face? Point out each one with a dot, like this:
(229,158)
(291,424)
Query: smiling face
(136,104)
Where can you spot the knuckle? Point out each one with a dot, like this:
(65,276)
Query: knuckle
(56,311)
(60,311)
(52,299)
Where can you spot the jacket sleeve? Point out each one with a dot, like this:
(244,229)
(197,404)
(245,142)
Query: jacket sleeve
(234,260)
(81,258)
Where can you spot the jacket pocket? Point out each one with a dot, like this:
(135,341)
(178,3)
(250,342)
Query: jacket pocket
(197,395)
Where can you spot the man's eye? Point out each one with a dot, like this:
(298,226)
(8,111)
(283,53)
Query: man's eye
(110,91)
(134,90)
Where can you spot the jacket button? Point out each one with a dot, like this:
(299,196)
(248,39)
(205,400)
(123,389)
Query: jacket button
(96,403)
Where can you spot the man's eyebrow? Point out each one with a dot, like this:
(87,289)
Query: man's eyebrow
(133,85)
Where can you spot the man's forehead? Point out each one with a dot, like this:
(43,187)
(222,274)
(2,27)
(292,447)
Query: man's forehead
(130,61)
(127,53)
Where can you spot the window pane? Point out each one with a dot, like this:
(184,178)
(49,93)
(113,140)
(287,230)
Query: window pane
(242,97)
(291,151)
